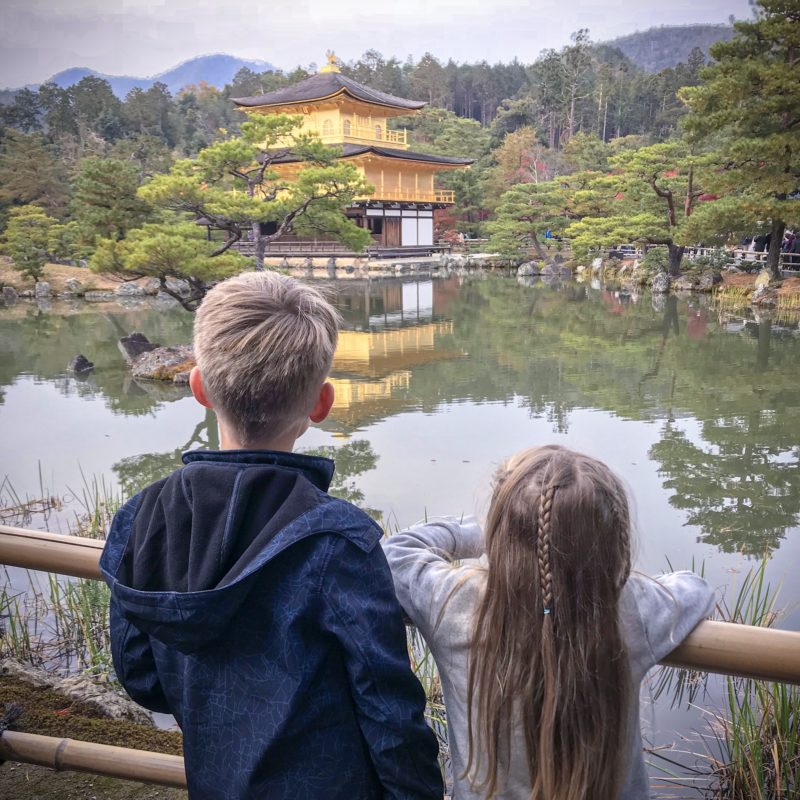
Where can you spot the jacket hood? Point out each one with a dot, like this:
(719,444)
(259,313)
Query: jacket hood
(182,555)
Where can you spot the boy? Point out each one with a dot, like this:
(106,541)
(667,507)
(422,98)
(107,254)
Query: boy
(248,602)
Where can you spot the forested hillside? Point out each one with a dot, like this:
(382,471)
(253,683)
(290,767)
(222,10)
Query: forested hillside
(658,48)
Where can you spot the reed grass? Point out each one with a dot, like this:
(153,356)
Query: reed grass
(751,750)
(58,623)
(60,626)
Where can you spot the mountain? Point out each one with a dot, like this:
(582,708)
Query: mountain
(658,48)
(216,70)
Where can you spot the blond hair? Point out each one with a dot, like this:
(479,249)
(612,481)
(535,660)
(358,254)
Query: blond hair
(264,344)
(547,648)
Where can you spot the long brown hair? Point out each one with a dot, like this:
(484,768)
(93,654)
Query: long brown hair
(547,650)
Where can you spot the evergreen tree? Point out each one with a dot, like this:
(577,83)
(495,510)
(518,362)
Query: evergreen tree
(97,109)
(24,113)
(25,239)
(528,210)
(174,249)
(30,172)
(749,107)
(106,203)
(649,196)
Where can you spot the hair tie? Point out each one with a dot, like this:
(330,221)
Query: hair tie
(547,611)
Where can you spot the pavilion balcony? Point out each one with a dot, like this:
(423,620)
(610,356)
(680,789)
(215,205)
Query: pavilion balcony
(348,133)
(443,196)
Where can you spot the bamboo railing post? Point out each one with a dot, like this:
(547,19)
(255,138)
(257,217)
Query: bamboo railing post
(744,650)
(100,759)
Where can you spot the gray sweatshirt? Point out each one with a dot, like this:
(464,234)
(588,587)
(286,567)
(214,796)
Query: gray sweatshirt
(441,597)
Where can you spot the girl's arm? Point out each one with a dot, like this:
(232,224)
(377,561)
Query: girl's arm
(421,559)
(670,607)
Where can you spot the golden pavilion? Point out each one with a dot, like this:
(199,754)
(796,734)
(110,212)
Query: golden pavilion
(356,118)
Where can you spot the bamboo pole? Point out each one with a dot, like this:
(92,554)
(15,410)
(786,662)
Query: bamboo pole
(100,759)
(51,552)
(724,647)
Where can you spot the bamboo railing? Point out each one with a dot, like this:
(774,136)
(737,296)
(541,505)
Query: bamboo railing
(722,647)
(99,759)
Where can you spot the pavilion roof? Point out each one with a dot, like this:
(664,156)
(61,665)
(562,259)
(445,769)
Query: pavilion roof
(324,85)
(350,150)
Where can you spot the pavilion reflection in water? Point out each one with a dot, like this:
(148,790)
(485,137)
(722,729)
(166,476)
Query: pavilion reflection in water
(392,329)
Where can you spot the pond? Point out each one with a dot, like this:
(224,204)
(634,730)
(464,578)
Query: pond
(697,408)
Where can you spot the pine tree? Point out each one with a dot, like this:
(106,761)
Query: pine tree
(106,203)
(25,239)
(749,108)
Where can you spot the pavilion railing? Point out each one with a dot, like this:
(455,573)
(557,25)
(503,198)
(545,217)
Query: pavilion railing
(722,647)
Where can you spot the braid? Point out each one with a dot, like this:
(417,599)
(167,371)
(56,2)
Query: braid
(543,547)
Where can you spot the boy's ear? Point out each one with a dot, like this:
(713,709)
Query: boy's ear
(196,385)
(324,402)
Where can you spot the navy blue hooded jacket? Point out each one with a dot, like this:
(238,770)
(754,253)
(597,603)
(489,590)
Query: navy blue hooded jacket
(261,612)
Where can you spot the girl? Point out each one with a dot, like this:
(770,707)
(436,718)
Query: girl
(542,644)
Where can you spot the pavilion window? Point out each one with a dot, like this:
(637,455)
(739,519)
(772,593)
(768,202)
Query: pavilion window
(346,127)
(327,128)
(378,132)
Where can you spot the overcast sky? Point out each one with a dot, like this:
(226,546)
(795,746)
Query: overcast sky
(144,37)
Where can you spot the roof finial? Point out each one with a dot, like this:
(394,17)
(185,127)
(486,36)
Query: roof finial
(332,65)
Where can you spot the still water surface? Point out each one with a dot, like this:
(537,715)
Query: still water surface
(437,381)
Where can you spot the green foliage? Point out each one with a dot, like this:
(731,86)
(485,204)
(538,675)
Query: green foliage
(717,260)
(649,197)
(525,212)
(586,152)
(30,172)
(656,259)
(106,202)
(26,239)
(748,107)
(68,241)
(438,131)
(172,249)
(148,153)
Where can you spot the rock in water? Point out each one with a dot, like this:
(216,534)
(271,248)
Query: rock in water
(179,286)
(709,279)
(164,363)
(165,302)
(683,284)
(765,296)
(661,283)
(73,285)
(41,289)
(134,345)
(763,278)
(527,270)
(98,297)
(129,290)
(80,365)
(152,286)
(10,295)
